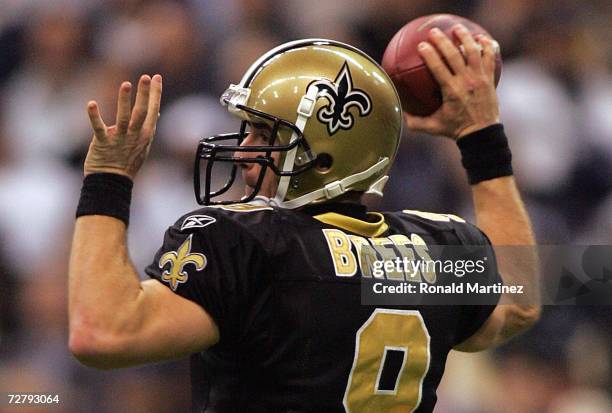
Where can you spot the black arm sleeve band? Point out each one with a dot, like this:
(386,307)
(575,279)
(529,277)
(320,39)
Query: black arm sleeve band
(106,194)
(485,154)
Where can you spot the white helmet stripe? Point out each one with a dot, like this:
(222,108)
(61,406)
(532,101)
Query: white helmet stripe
(304,112)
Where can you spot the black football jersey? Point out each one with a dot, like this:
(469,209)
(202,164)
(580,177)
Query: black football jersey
(284,288)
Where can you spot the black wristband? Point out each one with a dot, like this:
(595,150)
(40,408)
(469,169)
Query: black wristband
(106,194)
(485,154)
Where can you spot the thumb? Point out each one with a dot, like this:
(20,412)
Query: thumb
(421,124)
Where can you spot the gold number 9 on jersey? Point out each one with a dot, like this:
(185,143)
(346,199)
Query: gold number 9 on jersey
(391,360)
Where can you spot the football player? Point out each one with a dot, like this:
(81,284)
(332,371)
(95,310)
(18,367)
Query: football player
(264,293)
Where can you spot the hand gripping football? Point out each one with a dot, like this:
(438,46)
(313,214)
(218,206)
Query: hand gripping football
(418,90)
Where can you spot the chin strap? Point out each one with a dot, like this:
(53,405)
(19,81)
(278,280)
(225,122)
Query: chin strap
(337,188)
(304,112)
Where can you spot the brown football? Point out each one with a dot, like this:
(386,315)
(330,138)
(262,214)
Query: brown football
(419,92)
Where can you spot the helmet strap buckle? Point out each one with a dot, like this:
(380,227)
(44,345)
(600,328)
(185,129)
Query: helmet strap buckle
(334,189)
(306,106)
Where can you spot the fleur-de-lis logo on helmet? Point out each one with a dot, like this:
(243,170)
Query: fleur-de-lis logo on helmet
(178,259)
(342,96)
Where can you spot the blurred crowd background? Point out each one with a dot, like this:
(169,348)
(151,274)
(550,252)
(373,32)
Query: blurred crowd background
(556,103)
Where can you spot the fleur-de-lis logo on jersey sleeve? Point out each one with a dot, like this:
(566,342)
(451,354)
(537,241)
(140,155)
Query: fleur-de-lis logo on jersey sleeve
(342,96)
(178,259)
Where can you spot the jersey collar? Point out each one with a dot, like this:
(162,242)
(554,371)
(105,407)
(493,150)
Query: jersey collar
(374,227)
(355,210)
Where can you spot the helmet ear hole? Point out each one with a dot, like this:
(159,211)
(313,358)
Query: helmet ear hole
(324,162)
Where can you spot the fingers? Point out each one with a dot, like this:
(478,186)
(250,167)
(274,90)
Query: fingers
(479,53)
(488,55)
(141,105)
(154,102)
(470,47)
(96,121)
(123,107)
(435,63)
(448,50)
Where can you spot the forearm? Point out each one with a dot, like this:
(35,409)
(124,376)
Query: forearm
(501,214)
(104,288)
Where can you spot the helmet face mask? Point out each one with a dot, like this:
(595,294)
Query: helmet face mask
(335,122)
(214,149)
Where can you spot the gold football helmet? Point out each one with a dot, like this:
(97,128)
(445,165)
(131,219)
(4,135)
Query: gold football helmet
(335,118)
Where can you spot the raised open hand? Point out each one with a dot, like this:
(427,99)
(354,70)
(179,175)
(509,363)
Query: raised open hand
(123,147)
